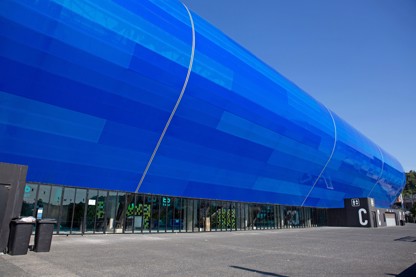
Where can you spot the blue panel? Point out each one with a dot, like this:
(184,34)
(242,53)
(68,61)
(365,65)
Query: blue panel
(88,86)
(22,112)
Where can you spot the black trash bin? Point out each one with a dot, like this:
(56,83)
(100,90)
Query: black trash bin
(19,238)
(43,235)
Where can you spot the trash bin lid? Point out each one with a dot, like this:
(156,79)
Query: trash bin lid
(24,220)
(47,221)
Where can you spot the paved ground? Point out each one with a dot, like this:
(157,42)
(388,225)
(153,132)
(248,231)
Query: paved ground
(323,251)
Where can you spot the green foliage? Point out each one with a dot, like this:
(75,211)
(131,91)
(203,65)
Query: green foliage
(410,180)
(413,210)
(410,189)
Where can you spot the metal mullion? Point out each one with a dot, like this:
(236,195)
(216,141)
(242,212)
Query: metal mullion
(134,212)
(123,226)
(206,216)
(229,222)
(216,212)
(229,217)
(279,225)
(235,215)
(115,214)
(180,214)
(158,213)
(105,213)
(84,218)
(193,216)
(221,217)
(95,213)
(239,215)
(261,221)
(186,214)
(219,211)
(194,207)
(73,210)
(143,206)
(173,215)
(60,209)
(35,208)
(303,217)
(166,215)
(276,218)
(49,201)
(151,214)
(244,216)
(210,216)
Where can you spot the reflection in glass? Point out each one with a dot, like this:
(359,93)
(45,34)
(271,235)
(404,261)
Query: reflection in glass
(29,199)
(91,209)
(292,217)
(318,217)
(110,212)
(130,212)
(276,217)
(146,211)
(154,200)
(100,215)
(79,210)
(169,203)
(213,215)
(269,216)
(204,222)
(142,214)
(178,222)
(188,214)
(43,201)
(163,208)
(54,204)
(197,216)
(120,212)
(307,216)
(240,216)
(85,211)
(244,211)
(233,216)
(254,210)
(65,219)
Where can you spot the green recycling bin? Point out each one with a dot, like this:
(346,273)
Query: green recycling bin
(19,238)
(43,234)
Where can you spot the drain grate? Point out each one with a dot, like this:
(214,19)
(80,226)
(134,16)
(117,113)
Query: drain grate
(408,238)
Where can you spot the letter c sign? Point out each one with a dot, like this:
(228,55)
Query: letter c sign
(360,216)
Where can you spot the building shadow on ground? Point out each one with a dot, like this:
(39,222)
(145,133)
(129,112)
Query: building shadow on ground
(258,271)
(408,272)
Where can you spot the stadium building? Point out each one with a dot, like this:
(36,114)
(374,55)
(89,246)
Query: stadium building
(139,116)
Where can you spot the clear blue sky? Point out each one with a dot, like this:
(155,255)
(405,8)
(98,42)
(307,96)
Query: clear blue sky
(358,57)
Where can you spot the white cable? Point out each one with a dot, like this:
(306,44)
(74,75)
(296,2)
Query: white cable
(176,105)
(329,159)
(382,171)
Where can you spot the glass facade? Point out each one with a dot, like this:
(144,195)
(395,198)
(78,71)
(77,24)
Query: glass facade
(91,211)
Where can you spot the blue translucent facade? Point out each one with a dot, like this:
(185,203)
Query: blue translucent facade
(91,96)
